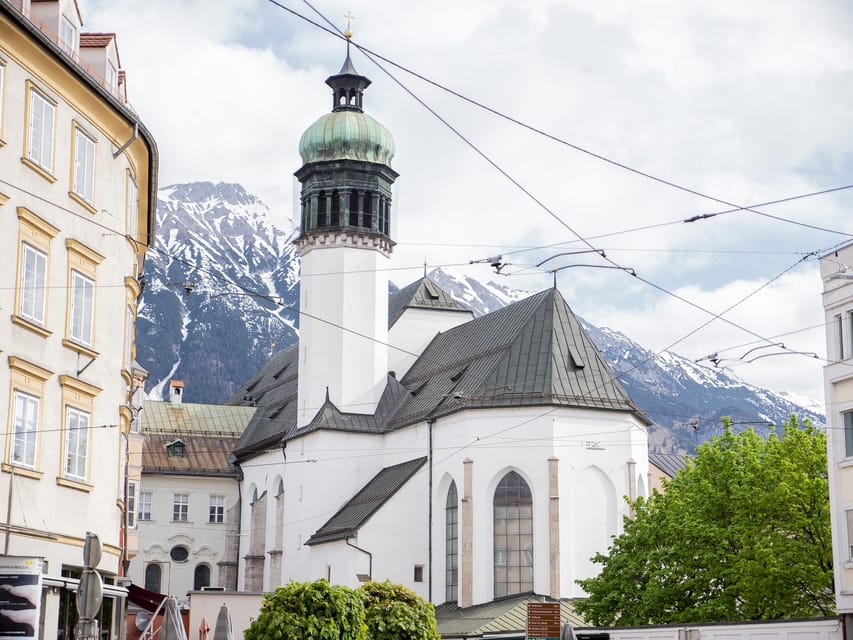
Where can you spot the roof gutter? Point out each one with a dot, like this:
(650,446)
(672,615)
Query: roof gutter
(139,129)
(369,556)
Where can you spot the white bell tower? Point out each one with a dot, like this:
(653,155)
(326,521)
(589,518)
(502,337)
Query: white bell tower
(344,245)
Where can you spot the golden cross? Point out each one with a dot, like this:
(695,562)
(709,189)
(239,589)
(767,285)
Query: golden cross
(350,18)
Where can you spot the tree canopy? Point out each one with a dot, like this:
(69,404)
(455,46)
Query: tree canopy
(741,533)
(393,612)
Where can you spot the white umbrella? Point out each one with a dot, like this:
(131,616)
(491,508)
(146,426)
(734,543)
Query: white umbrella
(222,630)
(173,625)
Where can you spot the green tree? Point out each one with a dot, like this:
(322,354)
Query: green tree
(310,611)
(742,533)
(393,612)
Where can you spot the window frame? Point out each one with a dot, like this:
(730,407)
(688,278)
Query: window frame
(82,262)
(78,400)
(180,507)
(37,234)
(514,497)
(33,294)
(847,431)
(130,503)
(33,157)
(69,46)
(29,433)
(132,207)
(216,512)
(28,379)
(3,74)
(84,149)
(144,506)
(451,544)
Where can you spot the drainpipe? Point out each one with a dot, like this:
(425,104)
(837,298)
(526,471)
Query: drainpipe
(9,509)
(430,424)
(369,556)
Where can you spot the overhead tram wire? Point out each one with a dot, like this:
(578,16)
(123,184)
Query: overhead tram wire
(542,205)
(373,56)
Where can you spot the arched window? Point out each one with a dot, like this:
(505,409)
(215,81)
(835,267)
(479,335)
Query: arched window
(202,577)
(336,209)
(321,209)
(153,576)
(367,210)
(353,208)
(513,537)
(451,545)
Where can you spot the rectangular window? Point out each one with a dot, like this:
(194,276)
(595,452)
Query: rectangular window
(145,505)
(847,417)
(217,509)
(82,305)
(33,277)
(76,443)
(40,131)
(25,429)
(67,36)
(131,504)
(419,573)
(849,514)
(180,507)
(84,166)
(112,75)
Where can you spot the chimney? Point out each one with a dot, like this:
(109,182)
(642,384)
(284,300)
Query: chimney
(176,390)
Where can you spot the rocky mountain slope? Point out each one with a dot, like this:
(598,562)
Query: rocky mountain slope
(222,289)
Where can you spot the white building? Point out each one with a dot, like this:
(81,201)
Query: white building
(188,499)
(491,461)
(836,270)
(78,176)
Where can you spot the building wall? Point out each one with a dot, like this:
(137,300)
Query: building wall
(591,456)
(51,504)
(205,541)
(414,330)
(838,390)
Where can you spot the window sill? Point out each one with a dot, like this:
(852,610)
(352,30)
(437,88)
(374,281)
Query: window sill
(74,484)
(181,522)
(88,206)
(846,463)
(217,522)
(44,173)
(22,471)
(79,348)
(31,326)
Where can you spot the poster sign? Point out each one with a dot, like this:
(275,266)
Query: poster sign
(543,620)
(20,597)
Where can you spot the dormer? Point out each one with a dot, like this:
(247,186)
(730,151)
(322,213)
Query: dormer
(61,18)
(99,52)
(177,449)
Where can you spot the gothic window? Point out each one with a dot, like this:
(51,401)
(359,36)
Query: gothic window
(336,209)
(513,536)
(353,208)
(451,545)
(201,577)
(153,576)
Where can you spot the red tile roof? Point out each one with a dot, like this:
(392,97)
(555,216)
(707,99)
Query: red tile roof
(96,39)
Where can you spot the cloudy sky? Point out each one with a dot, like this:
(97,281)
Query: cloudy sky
(747,103)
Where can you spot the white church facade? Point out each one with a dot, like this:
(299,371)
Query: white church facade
(466,458)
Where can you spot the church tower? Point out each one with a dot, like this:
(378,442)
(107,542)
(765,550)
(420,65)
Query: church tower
(344,245)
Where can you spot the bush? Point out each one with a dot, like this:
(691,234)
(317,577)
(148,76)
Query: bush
(393,612)
(310,611)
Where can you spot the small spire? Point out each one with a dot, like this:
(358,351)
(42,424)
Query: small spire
(348,31)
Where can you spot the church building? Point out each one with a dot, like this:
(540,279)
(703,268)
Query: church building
(402,438)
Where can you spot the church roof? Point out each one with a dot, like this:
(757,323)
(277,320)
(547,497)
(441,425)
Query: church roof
(530,353)
(349,518)
(423,294)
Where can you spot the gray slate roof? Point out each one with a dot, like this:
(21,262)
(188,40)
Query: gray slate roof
(347,521)
(669,463)
(530,353)
(423,294)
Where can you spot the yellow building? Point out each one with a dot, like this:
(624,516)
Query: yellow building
(836,270)
(78,175)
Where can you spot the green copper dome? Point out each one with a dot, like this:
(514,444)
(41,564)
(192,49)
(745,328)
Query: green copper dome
(347,135)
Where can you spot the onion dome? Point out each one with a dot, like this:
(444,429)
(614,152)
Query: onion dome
(347,133)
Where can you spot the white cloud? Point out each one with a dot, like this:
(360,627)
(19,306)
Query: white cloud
(747,102)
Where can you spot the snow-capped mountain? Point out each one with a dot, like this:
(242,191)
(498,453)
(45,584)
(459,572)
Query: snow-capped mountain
(221,291)
(223,288)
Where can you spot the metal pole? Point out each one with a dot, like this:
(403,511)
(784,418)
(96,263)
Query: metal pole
(9,510)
